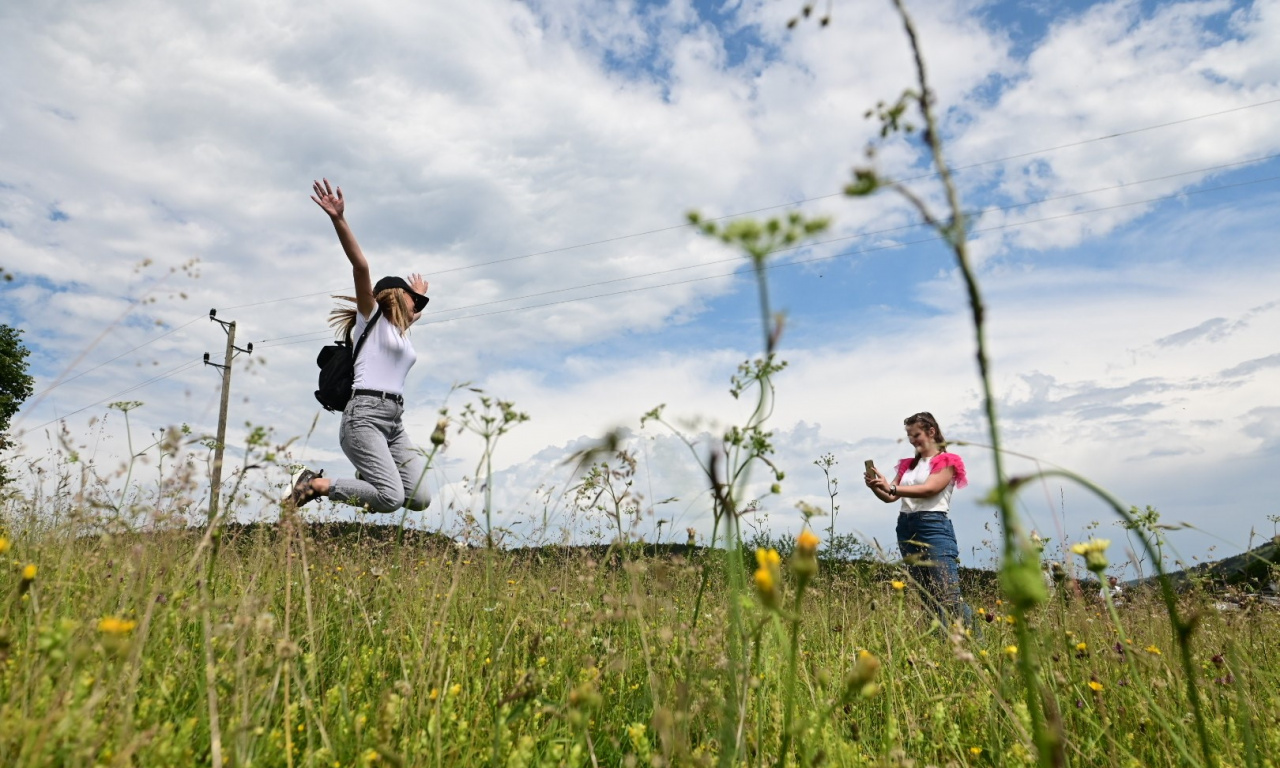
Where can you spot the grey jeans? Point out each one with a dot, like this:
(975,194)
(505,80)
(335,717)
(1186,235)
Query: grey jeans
(393,473)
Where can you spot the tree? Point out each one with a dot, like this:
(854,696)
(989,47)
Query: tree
(15,384)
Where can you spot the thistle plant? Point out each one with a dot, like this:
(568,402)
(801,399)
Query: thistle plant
(490,421)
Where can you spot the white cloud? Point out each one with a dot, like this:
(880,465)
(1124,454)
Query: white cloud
(468,134)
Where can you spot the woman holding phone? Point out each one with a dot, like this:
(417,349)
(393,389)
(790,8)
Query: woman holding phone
(923,485)
(390,470)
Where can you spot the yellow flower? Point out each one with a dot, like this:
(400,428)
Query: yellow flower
(1094,553)
(435,694)
(807,542)
(768,557)
(1082,646)
(804,563)
(455,689)
(975,751)
(111,625)
(897,584)
(1012,650)
(764,580)
(1154,651)
(4,545)
(29,573)
(1095,685)
(767,576)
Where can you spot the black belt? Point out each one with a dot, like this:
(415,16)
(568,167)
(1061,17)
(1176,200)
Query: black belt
(393,397)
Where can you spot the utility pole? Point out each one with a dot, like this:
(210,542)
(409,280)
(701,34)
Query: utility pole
(215,482)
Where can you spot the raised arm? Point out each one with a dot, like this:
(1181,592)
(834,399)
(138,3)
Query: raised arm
(332,203)
(419,286)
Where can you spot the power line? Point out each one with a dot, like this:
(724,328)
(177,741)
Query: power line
(968,214)
(992,209)
(802,201)
(798,262)
(57,384)
(148,382)
(776,265)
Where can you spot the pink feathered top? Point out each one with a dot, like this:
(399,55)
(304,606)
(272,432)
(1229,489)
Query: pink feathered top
(937,464)
(940,502)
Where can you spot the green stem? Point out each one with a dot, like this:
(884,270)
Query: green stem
(789,701)
(1182,628)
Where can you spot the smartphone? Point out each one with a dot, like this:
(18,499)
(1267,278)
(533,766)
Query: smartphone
(871,467)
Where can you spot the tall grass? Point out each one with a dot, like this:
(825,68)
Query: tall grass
(361,653)
(129,638)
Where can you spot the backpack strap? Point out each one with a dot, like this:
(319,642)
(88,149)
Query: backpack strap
(355,352)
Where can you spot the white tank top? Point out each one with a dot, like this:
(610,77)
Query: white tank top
(385,358)
(939,502)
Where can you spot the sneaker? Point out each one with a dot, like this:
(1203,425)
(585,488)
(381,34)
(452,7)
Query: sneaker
(302,492)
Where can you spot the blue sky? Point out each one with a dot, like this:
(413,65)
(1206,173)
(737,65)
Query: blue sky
(1131,291)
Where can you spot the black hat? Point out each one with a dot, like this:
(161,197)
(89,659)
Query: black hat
(391,281)
(394,281)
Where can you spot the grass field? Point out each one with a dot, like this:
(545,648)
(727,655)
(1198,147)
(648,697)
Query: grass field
(294,646)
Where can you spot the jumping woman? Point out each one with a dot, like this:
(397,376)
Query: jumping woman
(391,472)
(926,538)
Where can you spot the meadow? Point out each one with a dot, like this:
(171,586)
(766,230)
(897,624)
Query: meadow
(305,646)
(135,633)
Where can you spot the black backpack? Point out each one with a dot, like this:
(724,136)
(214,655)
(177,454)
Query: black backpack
(338,369)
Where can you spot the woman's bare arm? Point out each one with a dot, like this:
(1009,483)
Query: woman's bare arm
(332,203)
(880,486)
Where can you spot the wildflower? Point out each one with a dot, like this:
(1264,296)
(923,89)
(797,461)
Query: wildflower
(804,563)
(767,576)
(861,681)
(1095,686)
(455,689)
(4,545)
(1153,650)
(111,625)
(438,434)
(975,751)
(29,573)
(898,585)
(1011,650)
(435,694)
(1082,646)
(807,542)
(1094,553)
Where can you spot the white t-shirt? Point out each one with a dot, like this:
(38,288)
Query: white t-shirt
(385,359)
(939,502)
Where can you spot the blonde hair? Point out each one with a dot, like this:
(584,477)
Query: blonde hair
(343,319)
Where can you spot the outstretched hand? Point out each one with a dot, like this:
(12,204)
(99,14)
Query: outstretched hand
(418,285)
(329,199)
